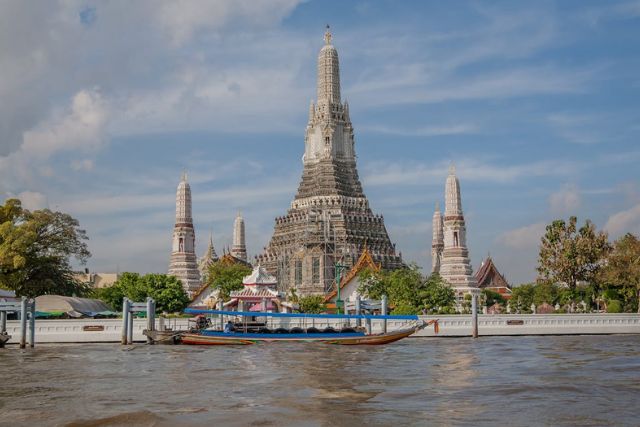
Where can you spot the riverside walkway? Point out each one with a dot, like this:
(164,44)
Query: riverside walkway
(110,330)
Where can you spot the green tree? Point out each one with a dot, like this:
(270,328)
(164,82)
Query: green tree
(312,304)
(35,251)
(545,293)
(622,270)
(571,255)
(522,297)
(373,283)
(167,291)
(227,277)
(492,297)
(436,295)
(404,286)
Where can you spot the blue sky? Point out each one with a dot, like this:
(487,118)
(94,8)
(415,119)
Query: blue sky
(105,103)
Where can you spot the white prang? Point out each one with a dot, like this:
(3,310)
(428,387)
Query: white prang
(450,241)
(183,262)
(437,244)
(329,132)
(239,248)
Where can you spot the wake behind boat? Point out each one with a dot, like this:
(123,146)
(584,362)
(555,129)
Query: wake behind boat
(249,330)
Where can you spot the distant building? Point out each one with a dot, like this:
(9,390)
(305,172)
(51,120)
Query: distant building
(488,277)
(350,282)
(183,264)
(97,280)
(239,248)
(209,257)
(450,241)
(259,293)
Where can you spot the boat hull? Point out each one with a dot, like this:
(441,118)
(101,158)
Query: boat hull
(335,339)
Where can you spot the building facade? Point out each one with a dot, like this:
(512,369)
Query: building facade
(183,263)
(329,219)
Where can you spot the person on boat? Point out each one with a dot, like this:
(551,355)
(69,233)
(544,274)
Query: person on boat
(228,328)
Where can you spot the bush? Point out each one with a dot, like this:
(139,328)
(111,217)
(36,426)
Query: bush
(614,306)
(404,308)
(312,304)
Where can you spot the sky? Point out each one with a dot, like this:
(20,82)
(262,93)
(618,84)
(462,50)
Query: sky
(104,104)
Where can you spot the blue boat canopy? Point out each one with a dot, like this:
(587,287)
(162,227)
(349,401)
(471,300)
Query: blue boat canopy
(303,315)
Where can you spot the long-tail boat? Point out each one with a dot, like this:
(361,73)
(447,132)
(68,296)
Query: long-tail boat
(249,331)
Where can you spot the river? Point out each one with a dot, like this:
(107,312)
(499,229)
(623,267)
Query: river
(515,381)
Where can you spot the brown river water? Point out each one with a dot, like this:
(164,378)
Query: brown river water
(510,381)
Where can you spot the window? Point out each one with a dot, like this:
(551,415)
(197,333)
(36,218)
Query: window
(455,239)
(298,272)
(315,270)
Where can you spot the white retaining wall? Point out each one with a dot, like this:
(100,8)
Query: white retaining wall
(83,330)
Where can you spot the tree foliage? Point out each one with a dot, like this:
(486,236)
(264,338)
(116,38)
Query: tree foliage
(492,297)
(312,304)
(437,296)
(167,291)
(227,277)
(407,290)
(622,270)
(35,251)
(569,254)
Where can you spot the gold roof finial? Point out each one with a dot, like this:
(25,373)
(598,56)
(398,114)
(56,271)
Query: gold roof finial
(327,36)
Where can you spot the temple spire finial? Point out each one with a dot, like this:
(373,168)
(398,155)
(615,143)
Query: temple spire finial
(327,36)
(183,176)
(452,169)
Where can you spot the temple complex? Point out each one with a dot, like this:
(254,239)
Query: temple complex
(239,248)
(329,219)
(450,240)
(183,262)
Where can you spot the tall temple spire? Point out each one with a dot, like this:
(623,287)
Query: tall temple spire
(328,73)
(329,220)
(183,262)
(453,202)
(437,242)
(455,266)
(239,248)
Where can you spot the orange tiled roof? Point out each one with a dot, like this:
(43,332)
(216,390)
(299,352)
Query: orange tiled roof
(365,261)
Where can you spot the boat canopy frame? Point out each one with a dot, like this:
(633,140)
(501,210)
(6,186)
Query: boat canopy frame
(304,315)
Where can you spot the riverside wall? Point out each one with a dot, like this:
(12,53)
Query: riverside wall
(110,330)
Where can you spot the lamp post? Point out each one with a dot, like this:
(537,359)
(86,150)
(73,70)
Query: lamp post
(339,302)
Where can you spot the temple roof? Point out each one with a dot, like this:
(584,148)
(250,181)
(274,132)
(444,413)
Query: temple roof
(255,292)
(228,259)
(365,261)
(488,276)
(259,276)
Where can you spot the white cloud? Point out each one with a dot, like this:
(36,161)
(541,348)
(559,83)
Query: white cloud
(31,200)
(526,237)
(79,128)
(413,173)
(565,201)
(82,165)
(455,129)
(627,221)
